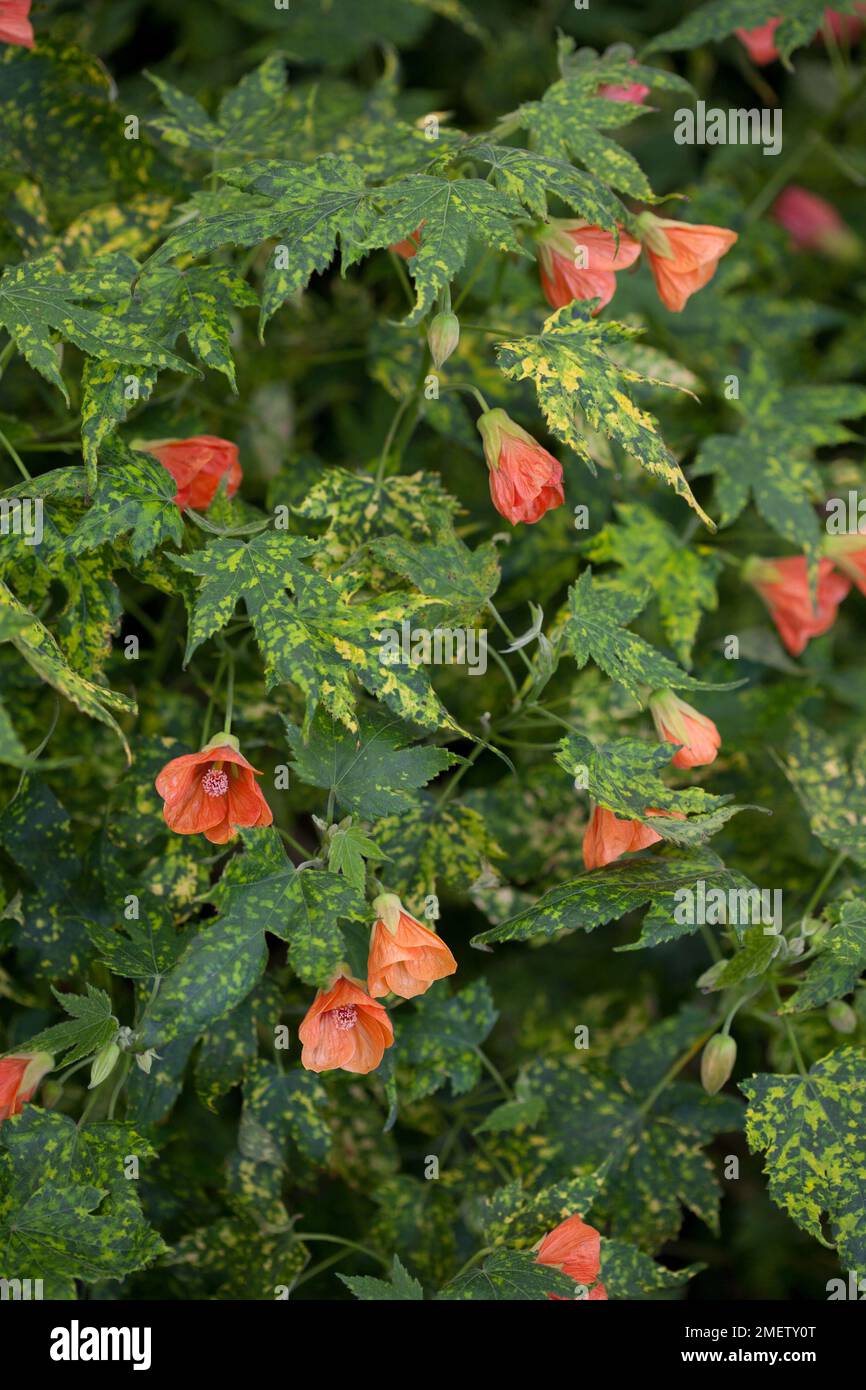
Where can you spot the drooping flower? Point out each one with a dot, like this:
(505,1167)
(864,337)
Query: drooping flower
(608,837)
(814,224)
(631,91)
(683,257)
(848,554)
(212,792)
(15,27)
(408,247)
(574,1248)
(344,1029)
(405,956)
(677,721)
(578,261)
(197,465)
(20,1074)
(784,587)
(525,480)
(759,42)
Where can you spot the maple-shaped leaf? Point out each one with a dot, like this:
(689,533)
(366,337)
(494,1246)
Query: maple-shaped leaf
(39,648)
(401,1285)
(39,300)
(800,21)
(573,366)
(135,495)
(318,640)
(91,1025)
(833,797)
(358,508)
(444,569)
(570,120)
(197,303)
(307,208)
(279,1106)
(812,1131)
(431,847)
(624,776)
(839,964)
(251,118)
(531,177)
(630,1273)
(508,1276)
(770,458)
(649,551)
(349,849)
(449,213)
(595,630)
(605,895)
(373,772)
(439,1040)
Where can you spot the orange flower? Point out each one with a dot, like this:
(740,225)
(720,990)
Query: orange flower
(678,722)
(784,587)
(197,465)
(683,257)
(848,554)
(525,480)
(408,247)
(577,261)
(630,91)
(15,27)
(405,956)
(574,1248)
(212,792)
(608,837)
(344,1029)
(20,1074)
(759,42)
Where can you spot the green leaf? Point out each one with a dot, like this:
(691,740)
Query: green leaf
(439,1042)
(357,508)
(92,1024)
(400,1287)
(839,965)
(595,630)
(800,22)
(318,641)
(531,177)
(812,1131)
(139,948)
(135,495)
(628,1272)
(683,578)
(40,650)
(573,366)
(372,772)
(431,847)
(445,569)
(348,849)
(833,797)
(279,1106)
(508,1276)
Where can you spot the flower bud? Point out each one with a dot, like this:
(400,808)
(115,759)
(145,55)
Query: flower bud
(841,1016)
(388,909)
(717,1062)
(443,335)
(103,1064)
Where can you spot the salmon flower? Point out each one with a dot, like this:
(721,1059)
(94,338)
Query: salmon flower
(525,480)
(848,554)
(574,1248)
(784,587)
(814,224)
(630,91)
(760,42)
(678,722)
(344,1029)
(578,261)
(20,1074)
(15,27)
(212,792)
(198,466)
(405,956)
(408,247)
(683,257)
(608,837)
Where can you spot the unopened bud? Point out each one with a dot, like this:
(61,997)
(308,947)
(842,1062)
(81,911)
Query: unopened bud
(841,1016)
(388,907)
(103,1064)
(443,335)
(717,1062)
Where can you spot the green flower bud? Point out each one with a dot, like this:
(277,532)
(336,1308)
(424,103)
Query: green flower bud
(841,1016)
(443,335)
(717,1062)
(103,1064)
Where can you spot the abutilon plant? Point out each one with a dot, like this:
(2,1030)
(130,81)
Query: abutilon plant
(404,976)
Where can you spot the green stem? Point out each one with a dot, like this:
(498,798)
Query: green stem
(825,882)
(15,456)
(230,694)
(479,1255)
(494,1072)
(350,1245)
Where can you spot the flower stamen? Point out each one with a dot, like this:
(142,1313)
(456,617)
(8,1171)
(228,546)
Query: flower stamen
(215,782)
(345,1016)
